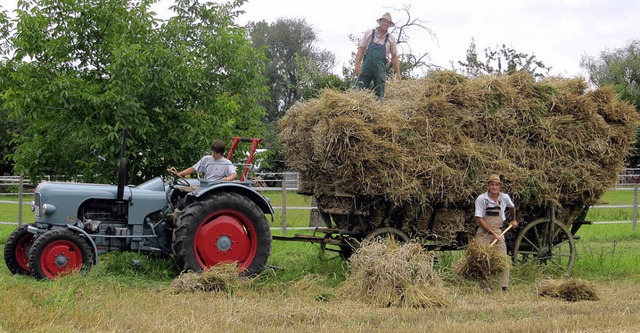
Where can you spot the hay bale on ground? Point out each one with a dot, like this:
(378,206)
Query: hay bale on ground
(571,290)
(385,273)
(434,141)
(481,262)
(223,277)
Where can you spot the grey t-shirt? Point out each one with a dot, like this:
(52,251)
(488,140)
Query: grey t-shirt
(213,169)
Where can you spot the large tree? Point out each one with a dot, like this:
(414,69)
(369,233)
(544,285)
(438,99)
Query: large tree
(296,67)
(619,68)
(296,70)
(8,127)
(84,71)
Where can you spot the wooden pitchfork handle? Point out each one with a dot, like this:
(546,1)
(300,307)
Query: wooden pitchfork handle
(501,234)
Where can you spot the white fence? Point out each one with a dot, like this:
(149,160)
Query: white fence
(13,186)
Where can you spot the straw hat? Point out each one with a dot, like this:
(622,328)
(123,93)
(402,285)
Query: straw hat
(494,178)
(386,16)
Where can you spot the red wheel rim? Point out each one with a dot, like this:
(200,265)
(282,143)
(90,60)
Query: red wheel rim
(226,236)
(59,257)
(22,250)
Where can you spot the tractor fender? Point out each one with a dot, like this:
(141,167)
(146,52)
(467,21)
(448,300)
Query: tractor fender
(89,239)
(253,195)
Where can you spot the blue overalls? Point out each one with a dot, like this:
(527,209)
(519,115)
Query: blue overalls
(374,66)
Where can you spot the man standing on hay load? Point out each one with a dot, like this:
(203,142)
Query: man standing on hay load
(376,45)
(490,208)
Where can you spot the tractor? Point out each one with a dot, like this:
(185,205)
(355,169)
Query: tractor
(197,223)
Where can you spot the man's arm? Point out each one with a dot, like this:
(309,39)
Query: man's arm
(396,66)
(233,176)
(512,213)
(359,55)
(184,172)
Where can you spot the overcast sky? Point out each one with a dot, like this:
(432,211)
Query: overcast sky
(558,32)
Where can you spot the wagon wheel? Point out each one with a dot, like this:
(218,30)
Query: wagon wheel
(345,251)
(548,246)
(386,232)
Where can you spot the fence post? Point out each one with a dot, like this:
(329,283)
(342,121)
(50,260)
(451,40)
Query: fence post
(284,205)
(314,216)
(20,192)
(635,204)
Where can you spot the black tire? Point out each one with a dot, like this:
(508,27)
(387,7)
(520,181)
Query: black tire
(224,228)
(58,252)
(16,250)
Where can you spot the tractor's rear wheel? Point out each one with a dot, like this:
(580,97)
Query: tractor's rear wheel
(58,252)
(16,250)
(225,228)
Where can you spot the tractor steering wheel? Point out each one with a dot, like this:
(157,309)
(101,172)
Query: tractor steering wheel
(177,178)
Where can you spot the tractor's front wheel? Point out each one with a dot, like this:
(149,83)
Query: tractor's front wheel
(16,250)
(58,252)
(225,228)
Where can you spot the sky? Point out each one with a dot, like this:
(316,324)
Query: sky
(557,32)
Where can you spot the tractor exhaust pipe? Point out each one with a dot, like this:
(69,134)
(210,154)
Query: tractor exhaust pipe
(122,168)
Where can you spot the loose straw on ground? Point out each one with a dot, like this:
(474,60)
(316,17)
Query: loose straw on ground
(223,277)
(571,290)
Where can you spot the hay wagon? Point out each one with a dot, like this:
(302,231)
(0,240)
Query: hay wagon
(411,167)
(544,239)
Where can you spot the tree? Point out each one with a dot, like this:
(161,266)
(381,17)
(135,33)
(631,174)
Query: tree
(86,70)
(295,65)
(619,68)
(501,60)
(8,127)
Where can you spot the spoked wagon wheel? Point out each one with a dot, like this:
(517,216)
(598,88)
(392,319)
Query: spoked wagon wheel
(546,246)
(227,228)
(345,250)
(59,252)
(386,233)
(16,250)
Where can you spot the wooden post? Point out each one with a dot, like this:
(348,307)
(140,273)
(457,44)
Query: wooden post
(314,218)
(284,205)
(20,192)
(635,205)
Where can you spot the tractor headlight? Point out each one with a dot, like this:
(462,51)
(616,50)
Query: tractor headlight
(48,209)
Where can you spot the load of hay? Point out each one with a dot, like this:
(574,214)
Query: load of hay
(571,290)
(385,273)
(433,142)
(481,262)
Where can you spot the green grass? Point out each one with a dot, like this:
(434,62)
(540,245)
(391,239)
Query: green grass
(300,291)
(607,252)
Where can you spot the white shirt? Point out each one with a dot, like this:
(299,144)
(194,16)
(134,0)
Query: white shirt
(214,170)
(484,201)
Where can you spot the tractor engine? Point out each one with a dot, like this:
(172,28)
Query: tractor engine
(107,222)
(103,216)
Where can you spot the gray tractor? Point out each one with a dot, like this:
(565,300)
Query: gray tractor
(197,223)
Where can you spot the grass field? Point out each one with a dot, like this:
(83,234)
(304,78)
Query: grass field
(301,293)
